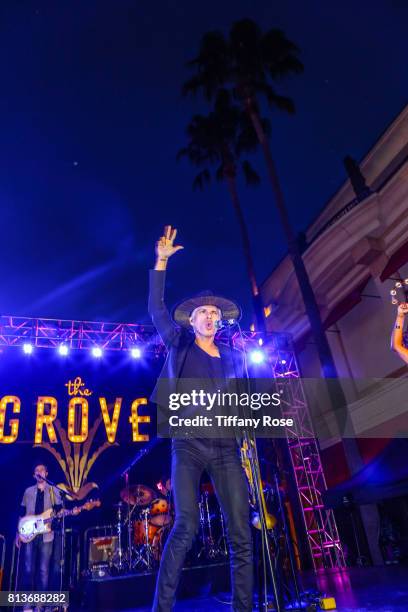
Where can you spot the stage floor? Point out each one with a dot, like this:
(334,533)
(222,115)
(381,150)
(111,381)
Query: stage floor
(379,589)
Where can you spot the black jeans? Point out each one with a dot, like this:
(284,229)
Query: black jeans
(37,556)
(220,459)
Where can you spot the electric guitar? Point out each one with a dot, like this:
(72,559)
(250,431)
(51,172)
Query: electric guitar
(33,525)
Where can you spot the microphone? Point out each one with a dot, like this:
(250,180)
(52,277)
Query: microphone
(224,323)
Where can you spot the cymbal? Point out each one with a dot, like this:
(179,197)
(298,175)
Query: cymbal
(137,495)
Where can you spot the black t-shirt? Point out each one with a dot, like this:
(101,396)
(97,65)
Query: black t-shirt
(210,375)
(39,502)
(199,364)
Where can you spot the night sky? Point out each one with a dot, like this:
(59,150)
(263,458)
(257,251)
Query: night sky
(91,119)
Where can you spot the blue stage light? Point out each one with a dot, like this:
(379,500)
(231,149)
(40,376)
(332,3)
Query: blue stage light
(97,351)
(257,356)
(136,352)
(28,348)
(63,350)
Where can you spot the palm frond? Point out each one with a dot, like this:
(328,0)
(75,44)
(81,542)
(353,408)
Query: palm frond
(284,103)
(280,55)
(201,180)
(275,100)
(211,65)
(182,153)
(251,176)
(219,139)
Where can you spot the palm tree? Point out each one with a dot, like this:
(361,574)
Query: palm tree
(250,62)
(220,139)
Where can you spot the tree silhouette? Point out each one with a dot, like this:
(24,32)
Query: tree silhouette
(250,62)
(217,143)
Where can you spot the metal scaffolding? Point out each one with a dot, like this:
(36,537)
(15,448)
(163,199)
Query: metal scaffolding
(52,333)
(320,525)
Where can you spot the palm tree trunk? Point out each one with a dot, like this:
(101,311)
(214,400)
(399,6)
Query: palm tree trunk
(256,297)
(327,363)
(311,307)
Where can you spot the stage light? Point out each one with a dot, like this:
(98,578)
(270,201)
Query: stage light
(283,361)
(63,350)
(136,353)
(28,348)
(260,341)
(257,357)
(97,351)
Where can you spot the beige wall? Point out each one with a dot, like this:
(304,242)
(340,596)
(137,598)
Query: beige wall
(360,343)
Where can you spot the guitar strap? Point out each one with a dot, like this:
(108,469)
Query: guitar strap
(52,497)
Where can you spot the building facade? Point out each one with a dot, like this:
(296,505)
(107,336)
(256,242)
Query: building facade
(355,251)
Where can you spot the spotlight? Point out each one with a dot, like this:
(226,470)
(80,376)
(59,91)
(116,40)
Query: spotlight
(97,351)
(136,353)
(63,350)
(28,348)
(257,356)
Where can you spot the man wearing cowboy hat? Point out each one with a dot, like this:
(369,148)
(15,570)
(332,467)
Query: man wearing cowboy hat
(193,353)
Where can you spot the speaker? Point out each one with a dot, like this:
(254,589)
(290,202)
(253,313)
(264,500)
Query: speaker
(101,550)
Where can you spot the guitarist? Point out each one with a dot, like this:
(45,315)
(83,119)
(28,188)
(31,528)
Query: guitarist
(37,553)
(397,338)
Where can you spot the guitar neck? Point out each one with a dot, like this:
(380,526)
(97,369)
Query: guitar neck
(60,514)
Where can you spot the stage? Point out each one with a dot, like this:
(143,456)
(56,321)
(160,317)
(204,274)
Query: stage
(379,589)
(87,417)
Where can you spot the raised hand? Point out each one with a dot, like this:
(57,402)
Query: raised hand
(165,247)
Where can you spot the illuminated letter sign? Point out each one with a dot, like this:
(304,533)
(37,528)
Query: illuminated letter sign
(111,426)
(72,436)
(46,419)
(135,419)
(12,437)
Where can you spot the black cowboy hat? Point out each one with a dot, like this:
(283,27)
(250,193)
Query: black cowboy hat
(183,310)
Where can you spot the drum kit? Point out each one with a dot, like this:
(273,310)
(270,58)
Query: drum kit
(144,520)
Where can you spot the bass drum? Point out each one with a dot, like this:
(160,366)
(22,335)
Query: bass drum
(139,533)
(159,541)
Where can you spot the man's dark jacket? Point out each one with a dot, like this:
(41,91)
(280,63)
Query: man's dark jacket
(178,340)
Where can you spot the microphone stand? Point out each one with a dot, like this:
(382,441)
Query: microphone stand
(287,535)
(129,526)
(63,494)
(125,475)
(250,439)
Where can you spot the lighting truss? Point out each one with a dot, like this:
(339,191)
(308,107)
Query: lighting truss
(51,333)
(320,525)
